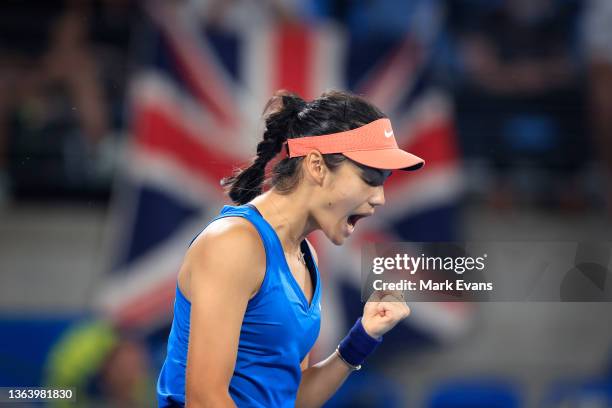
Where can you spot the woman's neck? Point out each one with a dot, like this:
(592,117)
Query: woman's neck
(289,216)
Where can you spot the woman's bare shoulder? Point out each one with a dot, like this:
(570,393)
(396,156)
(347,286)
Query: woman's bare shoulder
(232,230)
(228,251)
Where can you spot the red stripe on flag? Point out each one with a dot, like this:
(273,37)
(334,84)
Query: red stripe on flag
(294,57)
(211,98)
(195,65)
(155,130)
(380,84)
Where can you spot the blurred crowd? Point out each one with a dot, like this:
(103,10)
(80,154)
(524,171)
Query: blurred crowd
(63,72)
(531,82)
(529,78)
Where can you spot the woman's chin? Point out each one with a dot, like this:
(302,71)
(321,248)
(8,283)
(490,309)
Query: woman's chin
(338,241)
(340,237)
(336,237)
(339,233)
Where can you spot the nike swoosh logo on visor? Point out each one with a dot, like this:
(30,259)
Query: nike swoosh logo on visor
(388,133)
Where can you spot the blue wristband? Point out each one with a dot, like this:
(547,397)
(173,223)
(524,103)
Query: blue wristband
(357,345)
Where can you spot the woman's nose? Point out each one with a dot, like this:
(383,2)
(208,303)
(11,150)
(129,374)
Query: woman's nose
(378,198)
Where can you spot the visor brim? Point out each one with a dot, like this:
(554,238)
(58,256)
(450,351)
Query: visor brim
(387,159)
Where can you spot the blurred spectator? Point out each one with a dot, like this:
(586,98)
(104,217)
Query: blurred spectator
(522,47)
(106,368)
(111,26)
(598,45)
(520,100)
(125,376)
(56,103)
(25,32)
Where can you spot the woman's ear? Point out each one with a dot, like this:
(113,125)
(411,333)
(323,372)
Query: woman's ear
(315,168)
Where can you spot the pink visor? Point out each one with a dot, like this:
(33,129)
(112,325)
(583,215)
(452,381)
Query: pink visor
(372,145)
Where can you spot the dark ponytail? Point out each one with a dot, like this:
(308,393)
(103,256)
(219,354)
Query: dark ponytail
(280,112)
(288,116)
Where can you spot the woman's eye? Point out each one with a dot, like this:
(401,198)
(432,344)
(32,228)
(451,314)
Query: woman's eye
(373,183)
(376,179)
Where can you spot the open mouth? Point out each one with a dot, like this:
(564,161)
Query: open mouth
(353,218)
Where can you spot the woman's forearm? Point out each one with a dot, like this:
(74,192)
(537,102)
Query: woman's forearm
(321,381)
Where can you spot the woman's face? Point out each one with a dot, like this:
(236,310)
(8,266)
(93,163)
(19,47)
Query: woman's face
(349,193)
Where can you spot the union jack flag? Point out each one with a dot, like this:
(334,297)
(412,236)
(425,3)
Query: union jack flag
(195,109)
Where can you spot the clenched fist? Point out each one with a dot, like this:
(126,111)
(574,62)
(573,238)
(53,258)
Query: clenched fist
(383,311)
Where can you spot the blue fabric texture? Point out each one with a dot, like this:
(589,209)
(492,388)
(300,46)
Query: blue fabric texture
(278,330)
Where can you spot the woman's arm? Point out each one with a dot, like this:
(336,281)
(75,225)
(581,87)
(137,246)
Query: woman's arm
(319,382)
(225,267)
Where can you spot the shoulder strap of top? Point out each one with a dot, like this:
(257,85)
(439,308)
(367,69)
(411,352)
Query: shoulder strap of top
(252,214)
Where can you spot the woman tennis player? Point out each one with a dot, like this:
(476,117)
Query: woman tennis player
(247,308)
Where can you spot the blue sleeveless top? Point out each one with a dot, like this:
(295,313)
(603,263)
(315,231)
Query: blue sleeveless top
(278,330)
